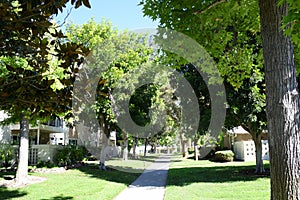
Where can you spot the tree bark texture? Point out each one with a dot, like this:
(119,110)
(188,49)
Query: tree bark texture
(22,171)
(282,103)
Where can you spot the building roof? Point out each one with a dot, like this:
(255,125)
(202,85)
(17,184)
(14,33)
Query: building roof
(238,130)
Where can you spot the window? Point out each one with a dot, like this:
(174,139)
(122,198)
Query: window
(14,140)
(73,142)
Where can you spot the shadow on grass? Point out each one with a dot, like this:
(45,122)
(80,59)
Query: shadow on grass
(219,174)
(59,198)
(10,194)
(118,176)
(6,193)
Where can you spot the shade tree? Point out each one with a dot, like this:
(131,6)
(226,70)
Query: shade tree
(203,20)
(38,67)
(113,54)
(233,40)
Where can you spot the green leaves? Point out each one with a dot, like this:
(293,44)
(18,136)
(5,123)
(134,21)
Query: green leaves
(230,32)
(291,22)
(37,63)
(113,55)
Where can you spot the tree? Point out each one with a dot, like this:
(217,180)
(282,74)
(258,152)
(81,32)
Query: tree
(282,101)
(280,71)
(39,67)
(233,40)
(204,102)
(154,97)
(246,108)
(114,54)
(139,107)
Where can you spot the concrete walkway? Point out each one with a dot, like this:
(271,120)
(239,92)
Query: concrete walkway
(151,184)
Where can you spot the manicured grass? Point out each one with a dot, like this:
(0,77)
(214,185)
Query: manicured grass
(189,179)
(132,166)
(87,182)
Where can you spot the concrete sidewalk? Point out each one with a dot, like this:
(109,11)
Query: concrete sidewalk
(151,184)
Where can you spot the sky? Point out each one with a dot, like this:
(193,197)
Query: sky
(124,14)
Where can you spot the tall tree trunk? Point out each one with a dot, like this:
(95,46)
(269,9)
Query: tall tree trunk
(195,149)
(183,146)
(104,151)
(258,153)
(22,172)
(105,142)
(154,147)
(282,102)
(256,136)
(125,151)
(134,147)
(145,150)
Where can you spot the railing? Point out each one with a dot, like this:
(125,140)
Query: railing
(33,156)
(42,152)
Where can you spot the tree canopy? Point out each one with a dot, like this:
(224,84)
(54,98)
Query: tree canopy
(37,63)
(233,40)
(38,66)
(113,55)
(233,33)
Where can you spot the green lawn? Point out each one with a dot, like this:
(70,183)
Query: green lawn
(187,179)
(205,180)
(85,183)
(132,166)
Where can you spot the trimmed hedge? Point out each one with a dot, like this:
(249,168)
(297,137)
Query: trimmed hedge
(69,155)
(223,156)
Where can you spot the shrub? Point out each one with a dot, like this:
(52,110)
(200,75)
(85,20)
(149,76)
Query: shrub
(8,155)
(223,156)
(47,164)
(191,150)
(69,155)
(89,157)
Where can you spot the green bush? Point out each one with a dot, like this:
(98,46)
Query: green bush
(47,164)
(223,156)
(69,155)
(8,155)
(191,150)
